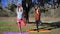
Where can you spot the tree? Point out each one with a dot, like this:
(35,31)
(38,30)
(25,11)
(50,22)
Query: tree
(0,5)
(12,6)
(29,2)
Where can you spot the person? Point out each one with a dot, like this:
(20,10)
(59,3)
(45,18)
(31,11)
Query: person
(37,17)
(20,20)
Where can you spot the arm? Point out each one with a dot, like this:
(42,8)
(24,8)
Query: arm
(16,10)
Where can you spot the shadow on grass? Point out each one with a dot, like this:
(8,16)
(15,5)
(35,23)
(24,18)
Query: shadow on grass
(53,24)
(50,26)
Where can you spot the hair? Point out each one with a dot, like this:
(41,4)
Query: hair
(36,7)
(19,5)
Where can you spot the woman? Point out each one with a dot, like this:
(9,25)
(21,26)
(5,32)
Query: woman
(20,19)
(37,17)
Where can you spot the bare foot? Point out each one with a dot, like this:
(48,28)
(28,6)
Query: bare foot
(20,33)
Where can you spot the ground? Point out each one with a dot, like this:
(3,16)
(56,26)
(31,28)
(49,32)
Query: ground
(8,24)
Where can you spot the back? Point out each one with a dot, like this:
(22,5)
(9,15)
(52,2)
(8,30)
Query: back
(37,14)
(19,12)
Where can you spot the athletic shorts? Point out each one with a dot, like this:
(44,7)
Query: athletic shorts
(21,22)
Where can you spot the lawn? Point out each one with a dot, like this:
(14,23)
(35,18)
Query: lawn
(8,25)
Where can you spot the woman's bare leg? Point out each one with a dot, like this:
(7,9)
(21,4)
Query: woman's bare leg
(20,29)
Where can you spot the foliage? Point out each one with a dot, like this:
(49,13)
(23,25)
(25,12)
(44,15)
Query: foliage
(44,9)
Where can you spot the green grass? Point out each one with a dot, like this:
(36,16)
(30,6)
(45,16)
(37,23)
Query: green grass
(6,26)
